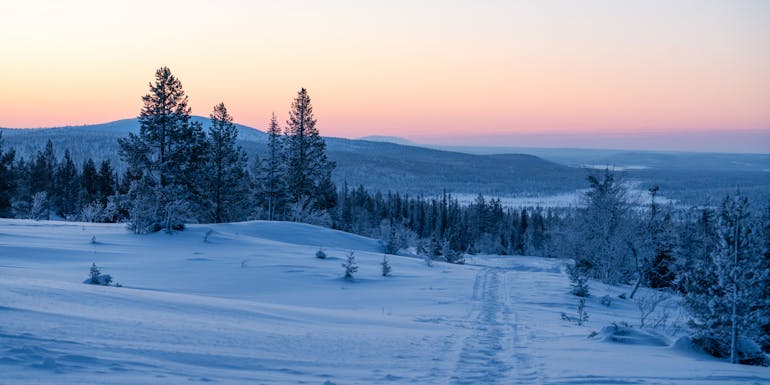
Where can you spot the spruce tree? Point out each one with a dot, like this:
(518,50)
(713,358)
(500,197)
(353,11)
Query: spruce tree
(227,162)
(67,187)
(41,179)
(727,310)
(166,158)
(106,181)
(274,172)
(308,168)
(350,266)
(89,181)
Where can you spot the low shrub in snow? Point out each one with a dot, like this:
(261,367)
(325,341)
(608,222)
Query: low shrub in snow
(320,254)
(97,278)
(582,315)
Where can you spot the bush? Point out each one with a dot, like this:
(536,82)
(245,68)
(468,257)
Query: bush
(97,278)
(320,254)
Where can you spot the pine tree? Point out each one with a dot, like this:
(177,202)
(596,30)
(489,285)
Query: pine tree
(67,187)
(41,180)
(274,172)
(308,169)
(89,181)
(166,158)
(106,181)
(7,180)
(227,164)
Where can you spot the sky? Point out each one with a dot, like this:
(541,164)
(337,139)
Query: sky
(447,72)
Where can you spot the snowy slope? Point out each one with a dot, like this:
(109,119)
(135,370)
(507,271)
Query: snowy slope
(252,304)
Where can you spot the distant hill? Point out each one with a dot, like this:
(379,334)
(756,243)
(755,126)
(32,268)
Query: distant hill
(375,164)
(389,139)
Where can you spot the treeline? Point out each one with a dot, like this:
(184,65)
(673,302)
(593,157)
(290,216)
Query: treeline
(48,187)
(442,228)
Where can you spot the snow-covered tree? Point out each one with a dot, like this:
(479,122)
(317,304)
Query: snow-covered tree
(273,172)
(731,309)
(602,241)
(228,182)
(764,339)
(39,208)
(95,277)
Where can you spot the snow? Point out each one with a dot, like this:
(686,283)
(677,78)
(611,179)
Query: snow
(250,303)
(636,195)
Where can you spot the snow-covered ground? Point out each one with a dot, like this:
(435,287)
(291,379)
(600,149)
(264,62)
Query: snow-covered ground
(253,305)
(635,195)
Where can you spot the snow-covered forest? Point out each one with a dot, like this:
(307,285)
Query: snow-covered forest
(708,265)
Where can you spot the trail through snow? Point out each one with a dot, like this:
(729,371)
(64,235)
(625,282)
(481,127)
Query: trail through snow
(497,352)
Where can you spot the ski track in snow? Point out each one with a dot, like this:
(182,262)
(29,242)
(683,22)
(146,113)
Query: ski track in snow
(497,351)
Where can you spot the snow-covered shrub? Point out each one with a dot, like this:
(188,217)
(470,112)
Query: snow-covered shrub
(647,305)
(386,269)
(606,301)
(92,212)
(350,266)
(451,255)
(97,278)
(305,211)
(623,333)
(320,254)
(39,208)
(395,236)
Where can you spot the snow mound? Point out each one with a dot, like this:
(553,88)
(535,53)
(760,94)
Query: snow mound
(622,334)
(296,234)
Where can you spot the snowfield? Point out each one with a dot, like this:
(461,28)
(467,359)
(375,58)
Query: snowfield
(248,303)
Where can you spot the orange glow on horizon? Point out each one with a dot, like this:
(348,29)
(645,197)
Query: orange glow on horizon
(403,69)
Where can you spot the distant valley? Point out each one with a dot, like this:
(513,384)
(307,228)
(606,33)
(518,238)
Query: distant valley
(380,164)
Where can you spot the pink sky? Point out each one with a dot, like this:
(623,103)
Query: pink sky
(422,70)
